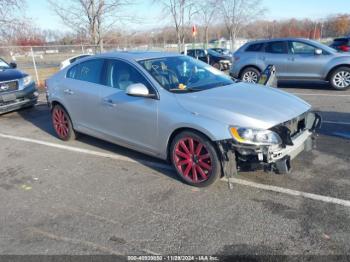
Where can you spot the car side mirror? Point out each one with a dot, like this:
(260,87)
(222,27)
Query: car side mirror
(139,90)
(318,52)
(13,65)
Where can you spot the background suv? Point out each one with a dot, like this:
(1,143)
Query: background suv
(295,59)
(211,57)
(17,89)
(341,44)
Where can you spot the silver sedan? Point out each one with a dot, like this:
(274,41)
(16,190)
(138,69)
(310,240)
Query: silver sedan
(179,109)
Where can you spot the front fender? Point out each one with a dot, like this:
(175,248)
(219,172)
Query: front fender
(336,62)
(214,130)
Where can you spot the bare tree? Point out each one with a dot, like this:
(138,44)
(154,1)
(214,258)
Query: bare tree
(8,16)
(237,13)
(207,11)
(7,9)
(93,16)
(181,12)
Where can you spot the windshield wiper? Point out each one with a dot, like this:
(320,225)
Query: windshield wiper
(187,89)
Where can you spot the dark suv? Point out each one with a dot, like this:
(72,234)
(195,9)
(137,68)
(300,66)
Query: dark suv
(215,59)
(341,44)
(17,89)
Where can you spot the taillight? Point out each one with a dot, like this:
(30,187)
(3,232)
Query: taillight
(344,48)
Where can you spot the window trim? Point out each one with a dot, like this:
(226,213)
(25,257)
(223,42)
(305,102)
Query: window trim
(277,41)
(80,63)
(151,85)
(69,69)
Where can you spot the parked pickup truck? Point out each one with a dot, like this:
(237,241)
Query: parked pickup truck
(17,89)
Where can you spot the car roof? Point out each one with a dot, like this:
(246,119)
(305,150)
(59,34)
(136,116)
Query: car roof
(138,55)
(76,56)
(342,38)
(278,39)
(192,49)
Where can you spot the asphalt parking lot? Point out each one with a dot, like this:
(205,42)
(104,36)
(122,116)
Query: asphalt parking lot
(93,197)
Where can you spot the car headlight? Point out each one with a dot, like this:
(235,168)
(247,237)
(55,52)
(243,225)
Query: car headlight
(225,61)
(255,136)
(27,80)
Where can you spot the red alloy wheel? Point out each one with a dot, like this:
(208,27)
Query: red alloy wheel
(192,160)
(60,122)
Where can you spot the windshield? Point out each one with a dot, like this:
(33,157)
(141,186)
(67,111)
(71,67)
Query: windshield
(183,73)
(222,51)
(3,64)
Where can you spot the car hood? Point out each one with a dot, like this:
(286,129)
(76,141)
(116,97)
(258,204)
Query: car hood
(223,57)
(10,74)
(343,55)
(244,105)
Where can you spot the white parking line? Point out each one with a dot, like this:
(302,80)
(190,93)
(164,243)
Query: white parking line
(305,94)
(86,151)
(292,192)
(277,189)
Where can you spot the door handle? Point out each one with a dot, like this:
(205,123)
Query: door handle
(263,58)
(68,92)
(291,59)
(109,102)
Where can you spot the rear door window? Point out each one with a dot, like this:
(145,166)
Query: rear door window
(255,47)
(91,71)
(278,47)
(73,72)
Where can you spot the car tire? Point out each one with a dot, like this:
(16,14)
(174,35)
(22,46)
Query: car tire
(62,124)
(340,78)
(250,75)
(195,159)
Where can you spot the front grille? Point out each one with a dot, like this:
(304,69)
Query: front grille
(8,86)
(11,102)
(296,125)
(291,129)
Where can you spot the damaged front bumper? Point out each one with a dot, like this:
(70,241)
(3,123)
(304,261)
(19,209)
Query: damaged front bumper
(225,65)
(297,136)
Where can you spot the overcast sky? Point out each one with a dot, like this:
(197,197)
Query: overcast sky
(39,11)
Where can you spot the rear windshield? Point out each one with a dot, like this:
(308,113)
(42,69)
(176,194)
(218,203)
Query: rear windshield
(3,64)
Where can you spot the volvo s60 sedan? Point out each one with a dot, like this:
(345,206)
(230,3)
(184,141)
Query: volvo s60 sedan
(180,109)
(294,59)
